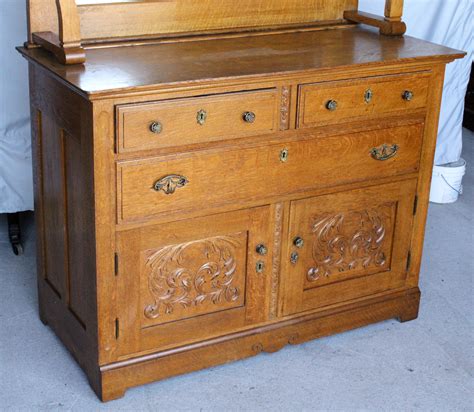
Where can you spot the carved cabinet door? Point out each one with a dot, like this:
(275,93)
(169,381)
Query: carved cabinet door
(347,245)
(189,280)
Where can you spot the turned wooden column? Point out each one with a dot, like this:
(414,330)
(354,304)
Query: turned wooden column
(393,10)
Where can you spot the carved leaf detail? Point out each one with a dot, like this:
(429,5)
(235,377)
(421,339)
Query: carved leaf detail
(285,108)
(349,241)
(277,234)
(192,274)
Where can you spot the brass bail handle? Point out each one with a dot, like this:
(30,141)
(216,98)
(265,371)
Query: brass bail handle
(384,152)
(168,184)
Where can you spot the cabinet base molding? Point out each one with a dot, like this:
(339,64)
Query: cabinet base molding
(117,377)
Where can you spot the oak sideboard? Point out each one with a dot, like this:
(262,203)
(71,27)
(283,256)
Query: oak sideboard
(214,181)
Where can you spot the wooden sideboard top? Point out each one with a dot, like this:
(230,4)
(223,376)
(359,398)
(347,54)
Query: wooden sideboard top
(115,70)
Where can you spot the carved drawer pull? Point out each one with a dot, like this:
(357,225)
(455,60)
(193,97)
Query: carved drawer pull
(169,184)
(384,152)
(331,105)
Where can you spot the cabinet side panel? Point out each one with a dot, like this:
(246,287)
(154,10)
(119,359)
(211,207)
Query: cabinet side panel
(426,171)
(63,168)
(56,273)
(80,230)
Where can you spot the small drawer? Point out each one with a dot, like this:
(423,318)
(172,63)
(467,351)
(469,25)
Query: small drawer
(340,101)
(201,180)
(189,121)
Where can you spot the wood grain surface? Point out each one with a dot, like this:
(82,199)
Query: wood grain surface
(141,68)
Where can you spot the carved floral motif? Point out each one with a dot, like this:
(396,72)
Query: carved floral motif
(285,108)
(349,241)
(192,274)
(276,259)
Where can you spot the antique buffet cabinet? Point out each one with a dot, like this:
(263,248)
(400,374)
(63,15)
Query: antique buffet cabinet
(217,179)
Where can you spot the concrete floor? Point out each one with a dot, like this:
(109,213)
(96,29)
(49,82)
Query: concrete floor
(424,365)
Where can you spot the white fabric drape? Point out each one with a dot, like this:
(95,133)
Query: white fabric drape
(16,187)
(448,22)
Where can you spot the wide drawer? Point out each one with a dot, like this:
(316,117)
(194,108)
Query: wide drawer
(198,181)
(187,121)
(339,101)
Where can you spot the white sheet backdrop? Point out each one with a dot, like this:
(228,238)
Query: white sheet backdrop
(448,22)
(16,187)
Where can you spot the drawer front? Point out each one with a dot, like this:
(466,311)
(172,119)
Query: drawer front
(195,120)
(198,181)
(339,101)
(347,245)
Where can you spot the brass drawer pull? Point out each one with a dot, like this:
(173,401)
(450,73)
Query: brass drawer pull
(261,249)
(201,117)
(169,184)
(384,152)
(156,127)
(408,95)
(331,105)
(298,242)
(249,117)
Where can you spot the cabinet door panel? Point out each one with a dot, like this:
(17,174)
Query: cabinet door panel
(192,279)
(347,245)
